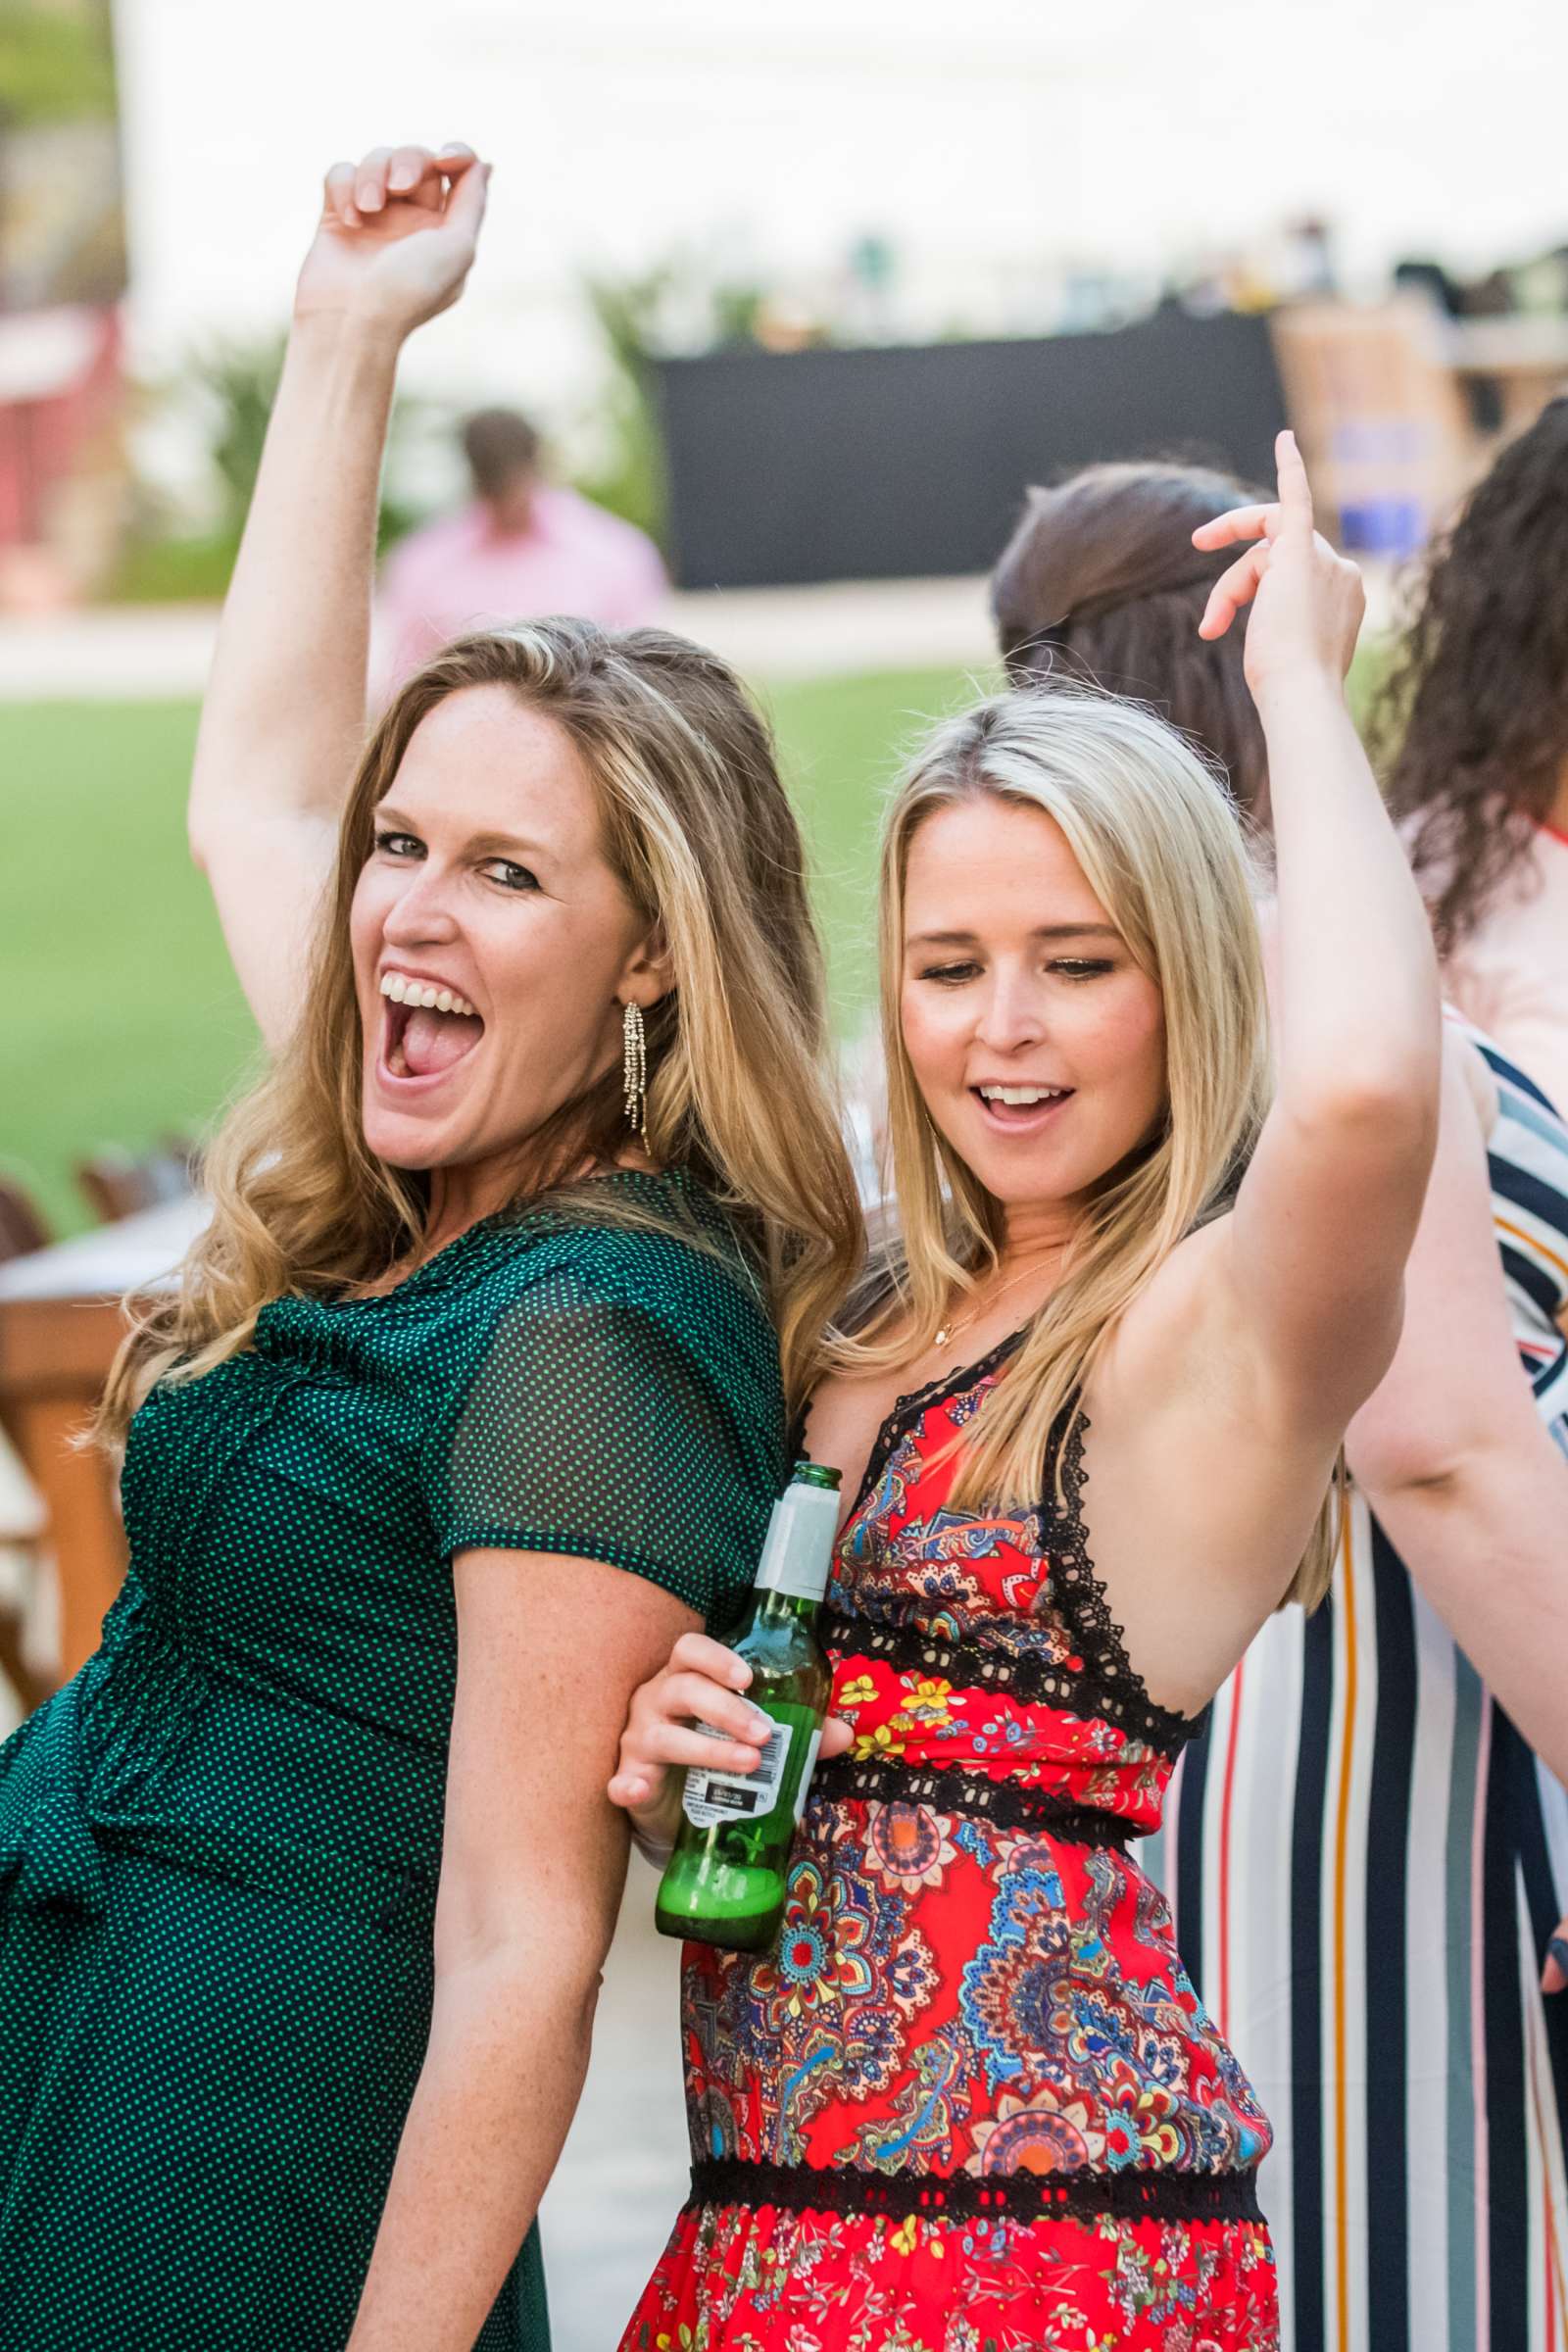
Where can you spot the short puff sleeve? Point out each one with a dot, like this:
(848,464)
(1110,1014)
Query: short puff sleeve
(617,1417)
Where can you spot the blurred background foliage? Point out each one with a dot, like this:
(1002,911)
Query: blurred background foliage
(232,385)
(229,387)
(55,67)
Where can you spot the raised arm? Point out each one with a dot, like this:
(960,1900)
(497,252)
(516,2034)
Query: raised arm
(1329,1207)
(284,718)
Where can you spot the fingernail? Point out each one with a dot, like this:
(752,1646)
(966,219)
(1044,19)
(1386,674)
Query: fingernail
(402,177)
(740,1675)
(1558,1950)
(369,199)
(761,1725)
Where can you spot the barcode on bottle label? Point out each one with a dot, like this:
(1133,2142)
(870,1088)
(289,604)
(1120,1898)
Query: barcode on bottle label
(712,1795)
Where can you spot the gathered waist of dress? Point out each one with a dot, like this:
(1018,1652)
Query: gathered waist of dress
(1004,1662)
(221,1784)
(1130,2195)
(910,1727)
(972,1797)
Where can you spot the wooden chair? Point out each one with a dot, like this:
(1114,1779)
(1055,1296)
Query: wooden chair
(32,1689)
(22,1563)
(22,1227)
(121,1184)
(1381,417)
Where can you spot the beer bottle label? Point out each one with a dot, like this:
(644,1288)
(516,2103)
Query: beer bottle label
(712,1795)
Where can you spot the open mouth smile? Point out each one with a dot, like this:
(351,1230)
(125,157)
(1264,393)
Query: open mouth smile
(427,1030)
(1021,1110)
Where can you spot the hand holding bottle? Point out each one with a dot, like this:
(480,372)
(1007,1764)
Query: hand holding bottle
(703,1684)
(727,1831)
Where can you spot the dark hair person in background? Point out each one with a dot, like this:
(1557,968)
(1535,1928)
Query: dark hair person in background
(1353,1915)
(525,547)
(1473,725)
(1102,581)
(503,451)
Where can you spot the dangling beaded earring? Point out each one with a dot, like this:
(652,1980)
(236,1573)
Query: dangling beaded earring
(634,1070)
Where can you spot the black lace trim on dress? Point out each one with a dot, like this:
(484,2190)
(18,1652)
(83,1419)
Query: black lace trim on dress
(967,2196)
(1108,1684)
(1031,1679)
(1010,1805)
(1109,1676)
(1108,1672)
(907,1409)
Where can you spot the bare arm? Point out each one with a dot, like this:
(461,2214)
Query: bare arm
(1329,1207)
(1455,1460)
(548,1653)
(284,718)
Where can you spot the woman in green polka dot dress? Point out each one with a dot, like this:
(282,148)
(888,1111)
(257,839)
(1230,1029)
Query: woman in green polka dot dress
(472,1396)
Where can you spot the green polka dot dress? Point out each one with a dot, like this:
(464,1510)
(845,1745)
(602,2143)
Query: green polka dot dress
(219,1844)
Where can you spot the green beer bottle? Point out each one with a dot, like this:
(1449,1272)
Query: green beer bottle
(724,1882)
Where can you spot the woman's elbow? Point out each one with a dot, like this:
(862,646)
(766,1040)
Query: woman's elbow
(503,1935)
(1377,1126)
(1394,1098)
(1439,1457)
(535,1975)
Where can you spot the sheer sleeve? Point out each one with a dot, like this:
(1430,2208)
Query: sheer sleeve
(615,1416)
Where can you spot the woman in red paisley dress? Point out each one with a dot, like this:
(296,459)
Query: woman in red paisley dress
(1089,1418)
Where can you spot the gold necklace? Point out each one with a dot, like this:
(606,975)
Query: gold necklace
(949,1331)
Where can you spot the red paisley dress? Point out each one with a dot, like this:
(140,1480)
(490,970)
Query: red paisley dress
(971,2103)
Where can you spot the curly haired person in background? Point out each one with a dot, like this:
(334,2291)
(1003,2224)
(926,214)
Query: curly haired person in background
(1472,729)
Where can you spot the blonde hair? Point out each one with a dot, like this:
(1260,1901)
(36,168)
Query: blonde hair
(1159,841)
(699,832)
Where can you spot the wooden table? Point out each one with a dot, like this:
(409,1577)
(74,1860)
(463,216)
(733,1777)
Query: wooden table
(60,1325)
(1526,358)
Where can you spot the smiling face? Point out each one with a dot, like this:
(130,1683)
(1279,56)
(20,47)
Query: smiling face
(488,886)
(1037,1042)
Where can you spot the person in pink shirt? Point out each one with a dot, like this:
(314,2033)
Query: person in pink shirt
(522,549)
(1475,712)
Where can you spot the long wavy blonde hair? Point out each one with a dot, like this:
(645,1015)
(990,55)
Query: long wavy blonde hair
(1161,846)
(701,835)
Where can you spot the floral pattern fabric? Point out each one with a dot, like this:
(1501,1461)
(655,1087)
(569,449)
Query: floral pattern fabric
(957,2001)
(737,2281)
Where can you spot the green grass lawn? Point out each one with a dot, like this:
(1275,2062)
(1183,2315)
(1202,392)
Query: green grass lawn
(122,1020)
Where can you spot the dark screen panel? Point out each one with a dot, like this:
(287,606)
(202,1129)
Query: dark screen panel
(905,463)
